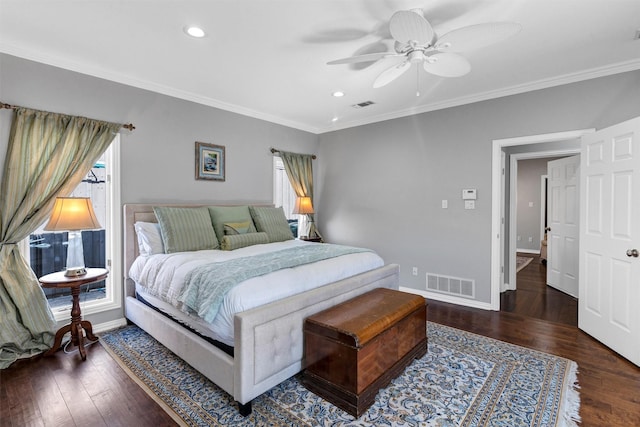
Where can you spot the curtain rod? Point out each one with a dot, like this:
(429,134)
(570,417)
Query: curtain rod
(274,151)
(3,105)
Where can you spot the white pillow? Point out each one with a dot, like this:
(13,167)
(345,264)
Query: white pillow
(149,238)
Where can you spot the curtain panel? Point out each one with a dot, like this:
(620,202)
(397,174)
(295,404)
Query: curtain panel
(299,168)
(48,154)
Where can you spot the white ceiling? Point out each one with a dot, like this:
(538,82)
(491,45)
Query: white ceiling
(267,58)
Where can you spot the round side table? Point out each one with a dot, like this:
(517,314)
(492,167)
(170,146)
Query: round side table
(77,325)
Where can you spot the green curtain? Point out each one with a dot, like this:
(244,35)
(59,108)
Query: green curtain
(299,168)
(48,154)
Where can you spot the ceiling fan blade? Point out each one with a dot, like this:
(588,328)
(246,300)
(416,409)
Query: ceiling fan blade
(369,57)
(410,25)
(476,36)
(447,64)
(390,74)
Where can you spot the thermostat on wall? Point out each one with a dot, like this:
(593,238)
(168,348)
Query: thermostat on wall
(469,194)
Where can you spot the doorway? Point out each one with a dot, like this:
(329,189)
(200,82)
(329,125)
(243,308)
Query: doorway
(555,144)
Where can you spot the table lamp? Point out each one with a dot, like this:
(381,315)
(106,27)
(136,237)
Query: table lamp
(303,206)
(73,214)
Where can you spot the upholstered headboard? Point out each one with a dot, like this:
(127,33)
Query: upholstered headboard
(144,212)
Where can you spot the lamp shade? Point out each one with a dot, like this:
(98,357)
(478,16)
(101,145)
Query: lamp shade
(303,206)
(72,213)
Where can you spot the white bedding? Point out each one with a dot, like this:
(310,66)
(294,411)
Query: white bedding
(159,279)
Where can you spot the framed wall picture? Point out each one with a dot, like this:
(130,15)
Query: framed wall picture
(210,161)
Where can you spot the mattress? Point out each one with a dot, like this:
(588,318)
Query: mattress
(159,280)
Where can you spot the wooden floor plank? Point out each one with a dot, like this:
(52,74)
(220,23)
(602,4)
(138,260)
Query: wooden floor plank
(48,397)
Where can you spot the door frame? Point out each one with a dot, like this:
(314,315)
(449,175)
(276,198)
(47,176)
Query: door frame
(513,208)
(499,241)
(543,204)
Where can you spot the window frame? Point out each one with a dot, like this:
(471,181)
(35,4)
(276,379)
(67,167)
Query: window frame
(287,200)
(113,242)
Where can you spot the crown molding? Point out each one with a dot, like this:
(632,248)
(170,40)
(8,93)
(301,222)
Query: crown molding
(593,73)
(91,70)
(88,69)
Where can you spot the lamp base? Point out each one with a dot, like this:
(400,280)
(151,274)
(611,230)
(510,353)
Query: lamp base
(75,255)
(75,272)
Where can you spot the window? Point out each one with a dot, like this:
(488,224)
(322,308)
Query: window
(46,251)
(284,195)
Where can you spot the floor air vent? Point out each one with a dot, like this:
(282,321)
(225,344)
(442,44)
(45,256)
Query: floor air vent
(451,285)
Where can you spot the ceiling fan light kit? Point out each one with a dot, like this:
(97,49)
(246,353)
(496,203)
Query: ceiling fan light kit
(416,42)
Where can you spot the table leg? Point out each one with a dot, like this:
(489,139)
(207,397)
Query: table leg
(78,339)
(58,339)
(88,328)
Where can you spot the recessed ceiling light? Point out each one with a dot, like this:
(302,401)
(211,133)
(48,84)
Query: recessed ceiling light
(196,32)
(335,119)
(338,94)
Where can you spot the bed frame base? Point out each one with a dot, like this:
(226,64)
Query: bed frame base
(245,410)
(269,339)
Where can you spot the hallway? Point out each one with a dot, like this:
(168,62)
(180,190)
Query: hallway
(534,298)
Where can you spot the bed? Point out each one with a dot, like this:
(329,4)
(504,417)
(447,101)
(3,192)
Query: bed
(266,341)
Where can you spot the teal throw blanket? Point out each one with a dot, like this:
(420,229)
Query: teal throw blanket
(206,286)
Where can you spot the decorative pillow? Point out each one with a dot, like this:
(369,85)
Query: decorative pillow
(149,238)
(231,228)
(237,241)
(186,229)
(272,221)
(227,214)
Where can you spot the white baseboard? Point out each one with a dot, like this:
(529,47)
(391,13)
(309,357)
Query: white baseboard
(529,251)
(107,326)
(448,298)
(508,287)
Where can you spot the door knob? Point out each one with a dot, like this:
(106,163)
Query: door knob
(632,253)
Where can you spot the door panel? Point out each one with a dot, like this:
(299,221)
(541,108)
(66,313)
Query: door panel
(564,220)
(610,208)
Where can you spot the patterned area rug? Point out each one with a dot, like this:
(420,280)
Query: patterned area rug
(522,262)
(463,380)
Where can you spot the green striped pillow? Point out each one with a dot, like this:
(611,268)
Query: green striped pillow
(237,241)
(272,221)
(186,229)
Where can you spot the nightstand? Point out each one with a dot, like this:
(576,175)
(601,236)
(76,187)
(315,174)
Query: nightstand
(77,325)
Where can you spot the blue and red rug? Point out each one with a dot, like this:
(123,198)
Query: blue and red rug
(464,380)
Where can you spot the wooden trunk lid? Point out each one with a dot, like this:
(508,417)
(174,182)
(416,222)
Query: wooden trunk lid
(357,321)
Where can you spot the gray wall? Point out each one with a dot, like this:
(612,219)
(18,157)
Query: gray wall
(382,184)
(379,185)
(158,156)
(528,209)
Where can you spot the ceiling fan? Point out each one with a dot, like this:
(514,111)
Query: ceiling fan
(417,43)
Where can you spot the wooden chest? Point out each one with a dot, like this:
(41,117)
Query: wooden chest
(356,348)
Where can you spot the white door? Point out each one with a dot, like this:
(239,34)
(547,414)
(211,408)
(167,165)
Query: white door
(610,238)
(563,221)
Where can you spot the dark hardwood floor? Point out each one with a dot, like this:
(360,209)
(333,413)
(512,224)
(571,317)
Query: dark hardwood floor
(61,390)
(534,298)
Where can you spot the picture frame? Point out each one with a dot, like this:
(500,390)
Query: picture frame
(210,161)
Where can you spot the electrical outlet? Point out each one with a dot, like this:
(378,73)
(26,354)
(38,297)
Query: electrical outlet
(519,238)
(415,271)
(530,239)
(445,204)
